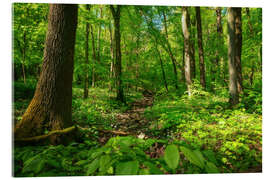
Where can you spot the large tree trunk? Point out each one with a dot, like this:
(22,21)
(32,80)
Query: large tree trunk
(169,50)
(238,43)
(186,33)
(118,63)
(86,80)
(50,108)
(200,46)
(234,96)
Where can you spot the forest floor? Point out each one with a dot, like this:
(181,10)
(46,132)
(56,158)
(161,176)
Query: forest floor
(133,120)
(231,139)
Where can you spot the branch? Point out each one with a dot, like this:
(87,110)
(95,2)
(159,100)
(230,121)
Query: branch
(66,131)
(41,137)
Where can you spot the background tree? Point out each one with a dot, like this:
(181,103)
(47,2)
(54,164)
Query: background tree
(187,56)
(234,95)
(238,42)
(200,47)
(118,63)
(86,81)
(50,107)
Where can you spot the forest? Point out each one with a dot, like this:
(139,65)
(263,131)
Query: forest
(101,90)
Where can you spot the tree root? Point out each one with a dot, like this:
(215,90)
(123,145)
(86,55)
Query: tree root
(40,138)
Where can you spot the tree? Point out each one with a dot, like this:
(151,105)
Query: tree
(169,50)
(112,54)
(50,108)
(238,42)
(200,46)
(94,56)
(234,96)
(118,64)
(219,64)
(192,48)
(86,80)
(187,56)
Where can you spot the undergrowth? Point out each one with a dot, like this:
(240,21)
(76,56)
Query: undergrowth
(197,134)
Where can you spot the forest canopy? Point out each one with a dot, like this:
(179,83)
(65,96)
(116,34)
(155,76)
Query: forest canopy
(133,90)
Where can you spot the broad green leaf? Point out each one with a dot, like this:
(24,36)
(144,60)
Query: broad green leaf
(211,168)
(104,163)
(192,157)
(200,156)
(34,164)
(210,156)
(54,163)
(127,168)
(152,168)
(144,172)
(92,167)
(81,162)
(171,156)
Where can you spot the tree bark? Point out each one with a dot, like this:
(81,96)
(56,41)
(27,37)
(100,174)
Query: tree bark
(170,51)
(99,33)
(86,80)
(238,43)
(162,68)
(118,64)
(200,46)
(186,33)
(218,64)
(112,67)
(234,96)
(192,49)
(50,108)
(93,56)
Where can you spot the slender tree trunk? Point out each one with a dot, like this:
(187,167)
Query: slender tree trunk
(93,56)
(192,49)
(118,63)
(112,67)
(200,46)
(218,63)
(99,33)
(234,96)
(183,64)
(186,33)
(86,81)
(238,43)
(162,67)
(170,51)
(50,107)
(24,57)
(251,75)
(137,60)
(249,21)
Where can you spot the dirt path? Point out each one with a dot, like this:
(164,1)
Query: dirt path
(133,120)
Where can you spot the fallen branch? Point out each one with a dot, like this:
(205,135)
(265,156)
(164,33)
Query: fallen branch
(107,131)
(66,131)
(45,136)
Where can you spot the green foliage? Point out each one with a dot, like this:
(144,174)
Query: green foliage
(194,157)
(183,134)
(171,156)
(127,168)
